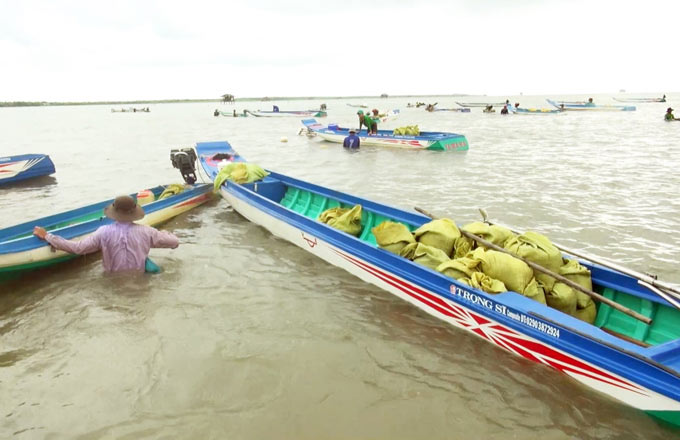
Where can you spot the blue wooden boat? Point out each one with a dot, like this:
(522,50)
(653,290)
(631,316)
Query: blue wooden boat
(24,166)
(636,362)
(426,140)
(537,111)
(591,107)
(459,110)
(21,252)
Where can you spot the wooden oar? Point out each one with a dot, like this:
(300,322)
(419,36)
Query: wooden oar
(648,279)
(558,277)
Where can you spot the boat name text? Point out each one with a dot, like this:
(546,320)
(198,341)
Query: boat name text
(500,308)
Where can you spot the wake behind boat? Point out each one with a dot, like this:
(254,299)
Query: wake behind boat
(590,107)
(24,166)
(630,355)
(438,141)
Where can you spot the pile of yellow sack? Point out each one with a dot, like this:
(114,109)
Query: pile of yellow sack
(409,130)
(344,219)
(440,245)
(239,172)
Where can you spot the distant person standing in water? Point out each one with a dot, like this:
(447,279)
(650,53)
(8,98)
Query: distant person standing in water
(504,110)
(352,142)
(124,244)
(590,103)
(669,115)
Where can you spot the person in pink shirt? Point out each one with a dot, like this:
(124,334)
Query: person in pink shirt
(124,244)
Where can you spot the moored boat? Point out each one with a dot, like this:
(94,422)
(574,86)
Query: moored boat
(641,100)
(590,107)
(290,113)
(634,362)
(537,111)
(479,104)
(438,141)
(21,252)
(24,166)
(459,110)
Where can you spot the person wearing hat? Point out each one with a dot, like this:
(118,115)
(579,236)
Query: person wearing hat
(124,244)
(669,115)
(352,141)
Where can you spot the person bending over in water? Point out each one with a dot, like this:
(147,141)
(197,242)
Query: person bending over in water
(125,245)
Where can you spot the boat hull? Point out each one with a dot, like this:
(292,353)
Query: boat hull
(384,138)
(521,326)
(25,166)
(286,114)
(20,251)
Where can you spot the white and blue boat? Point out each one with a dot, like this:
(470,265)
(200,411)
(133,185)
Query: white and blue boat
(24,166)
(21,252)
(426,140)
(590,107)
(634,361)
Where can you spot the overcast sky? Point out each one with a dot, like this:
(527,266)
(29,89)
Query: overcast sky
(91,50)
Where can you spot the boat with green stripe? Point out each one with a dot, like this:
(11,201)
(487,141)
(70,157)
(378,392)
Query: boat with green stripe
(632,356)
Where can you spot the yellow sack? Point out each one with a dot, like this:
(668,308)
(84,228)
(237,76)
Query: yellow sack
(538,249)
(440,233)
(514,273)
(462,246)
(239,172)
(171,190)
(562,298)
(392,236)
(497,235)
(481,281)
(344,219)
(573,271)
(534,291)
(587,313)
(423,254)
(459,268)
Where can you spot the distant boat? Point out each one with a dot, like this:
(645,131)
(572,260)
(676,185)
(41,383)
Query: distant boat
(131,110)
(290,113)
(641,100)
(536,111)
(460,110)
(591,107)
(437,141)
(24,166)
(479,104)
(358,105)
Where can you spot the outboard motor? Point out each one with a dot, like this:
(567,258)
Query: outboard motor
(184,159)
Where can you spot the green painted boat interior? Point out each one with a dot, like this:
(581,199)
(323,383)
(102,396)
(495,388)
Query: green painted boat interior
(664,325)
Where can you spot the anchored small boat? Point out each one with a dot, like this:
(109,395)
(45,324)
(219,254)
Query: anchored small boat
(455,109)
(536,111)
(24,166)
(480,104)
(426,140)
(284,114)
(631,352)
(591,107)
(641,100)
(21,252)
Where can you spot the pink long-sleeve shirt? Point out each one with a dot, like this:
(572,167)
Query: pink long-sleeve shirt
(124,246)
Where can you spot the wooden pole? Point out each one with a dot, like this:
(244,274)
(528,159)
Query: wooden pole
(558,277)
(646,279)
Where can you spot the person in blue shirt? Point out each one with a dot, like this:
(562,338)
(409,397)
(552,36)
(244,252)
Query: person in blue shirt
(351,142)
